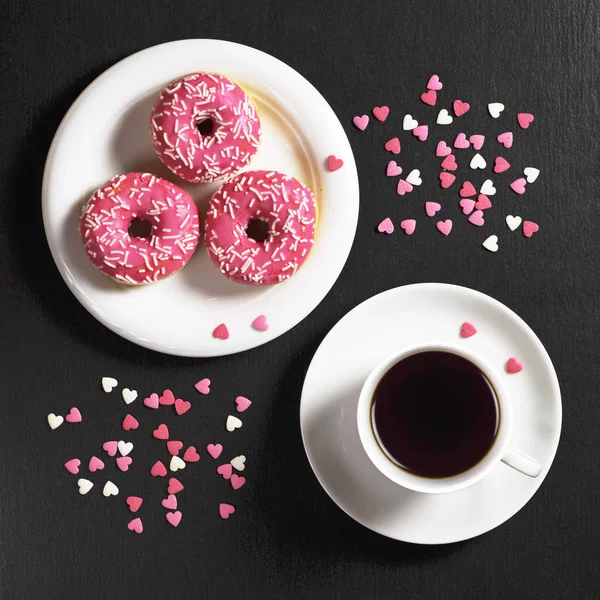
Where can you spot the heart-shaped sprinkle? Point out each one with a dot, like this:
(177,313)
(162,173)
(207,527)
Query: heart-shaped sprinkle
(461,141)
(408,123)
(226,510)
(446,179)
(506,139)
(214,450)
(110,447)
(55,420)
(134,503)
(431,208)
(518,185)
(182,406)
(170,502)
(460,107)
(409,226)
(129,395)
(158,469)
(442,149)
(135,525)
(421,132)
(513,222)
(221,332)
(495,108)
(361,122)
(476,218)
(488,188)
(386,226)
(444,117)
(260,323)
(110,489)
(467,189)
(95,464)
(84,485)
(449,163)
(237,481)
(467,205)
(174,447)
(167,398)
(477,141)
(152,401)
(175,486)
(190,455)
(176,463)
(467,330)
(242,403)
(130,422)
(403,187)
(483,202)
(429,97)
(444,227)
(524,120)
(491,243)
(74,416)
(531,174)
(501,165)
(393,169)
(124,447)
(381,113)
(393,146)
(225,470)
(434,83)
(513,366)
(109,383)
(414,177)
(334,163)
(477,162)
(161,432)
(174,518)
(73,466)
(239,462)
(123,463)
(529,228)
(232,423)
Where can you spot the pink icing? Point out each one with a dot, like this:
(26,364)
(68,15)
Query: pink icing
(289,209)
(191,100)
(105,221)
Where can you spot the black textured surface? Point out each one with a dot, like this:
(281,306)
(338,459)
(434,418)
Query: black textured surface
(288,540)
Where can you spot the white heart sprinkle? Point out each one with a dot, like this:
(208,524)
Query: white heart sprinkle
(176,463)
(444,118)
(232,423)
(491,243)
(110,489)
(513,222)
(531,174)
(408,124)
(85,485)
(488,188)
(414,177)
(109,383)
(55,420)
(125,447)
(478,162)
(129,395)
(239,462)
(495,109)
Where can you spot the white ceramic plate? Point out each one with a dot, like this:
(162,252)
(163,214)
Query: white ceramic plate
(106,132)
(415,314)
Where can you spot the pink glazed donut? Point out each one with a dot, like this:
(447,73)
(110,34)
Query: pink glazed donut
(138,228)
(260,227)
(204,127)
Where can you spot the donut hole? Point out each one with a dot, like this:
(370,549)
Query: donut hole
(139,228)
(257,230)
(205,127)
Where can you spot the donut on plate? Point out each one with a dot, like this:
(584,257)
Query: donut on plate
(260,227)
(204,127)
(138,228)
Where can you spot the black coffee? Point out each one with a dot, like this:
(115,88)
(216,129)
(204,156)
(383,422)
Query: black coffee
(435,414)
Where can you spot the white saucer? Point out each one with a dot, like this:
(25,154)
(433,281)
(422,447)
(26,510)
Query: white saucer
(106,132)
(411,315)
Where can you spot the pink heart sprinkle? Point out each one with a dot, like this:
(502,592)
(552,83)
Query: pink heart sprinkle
(460,107)
(381,113)
(203,386)
(467,206)
(444,227)
(442,149)
(449,163)
(408,225)
(524,119)
(334,163)
(123,463)
(225,510)
(174,486)
(393,169)
(434,83)
(446,179)
(429,97)
(130,422)
(225,471)
(506,139)
(393,145)
(95,464)
(501,165)
(529,228)
(260,323)
(174,518)
(477,141)
(431,208)
(237,482)
(161,432)
(403,187)
(518,185)
(158,469)
(483,202)
(221,332)
(477,218)
(170,502)
(167,398)
(73,466)
(421,132)
(242,403)
(386,226)
(182,406)
(513,366)
(467,330)
(190,455)
(135,525)
(467,189)
(173,446)
(134,503)
(214,450)
(74,416)
(152,401)
(461,141)
(361,122)
(110,447)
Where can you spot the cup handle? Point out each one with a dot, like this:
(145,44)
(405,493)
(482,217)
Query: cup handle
(522,462)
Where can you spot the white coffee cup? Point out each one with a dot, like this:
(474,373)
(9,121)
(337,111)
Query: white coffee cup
(501,450)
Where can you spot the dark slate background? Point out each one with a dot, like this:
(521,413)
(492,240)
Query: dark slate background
(288,540)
